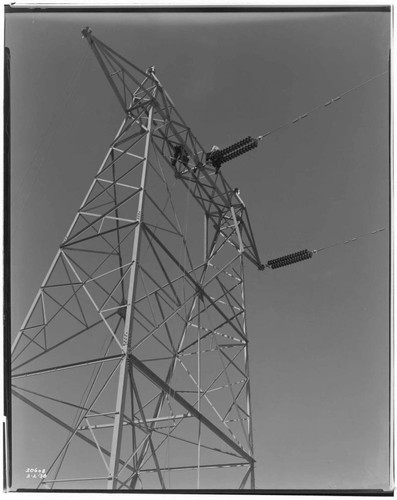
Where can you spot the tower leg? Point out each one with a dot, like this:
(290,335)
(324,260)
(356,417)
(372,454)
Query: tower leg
(129,321)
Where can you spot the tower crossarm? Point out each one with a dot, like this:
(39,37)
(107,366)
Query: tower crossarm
(136,90)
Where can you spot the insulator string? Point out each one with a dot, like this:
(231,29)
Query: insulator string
(296,257)
(348,241)
(324,105)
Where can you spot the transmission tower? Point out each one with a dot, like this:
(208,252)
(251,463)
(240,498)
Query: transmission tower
(135,349)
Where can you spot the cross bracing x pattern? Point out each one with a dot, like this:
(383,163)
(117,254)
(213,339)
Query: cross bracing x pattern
(135,349)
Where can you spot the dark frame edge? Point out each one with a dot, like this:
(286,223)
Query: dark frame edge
(6,272)
(15,9)
(355,493)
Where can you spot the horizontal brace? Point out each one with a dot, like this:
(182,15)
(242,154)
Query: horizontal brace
(117,183)
(158,419)
(92,415)
(225,272)
(208,330)
(108,217)
(66,367)
(99,426)
(226,304)
(74,479)
(214,349)
(194,467)
(75,283)
(122,306)
(32,327)
(130,154)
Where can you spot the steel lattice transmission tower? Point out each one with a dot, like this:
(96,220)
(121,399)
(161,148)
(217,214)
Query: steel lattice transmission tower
(135,348)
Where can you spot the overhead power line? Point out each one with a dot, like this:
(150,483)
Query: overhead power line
(349,241)
(219,156)
(317,108)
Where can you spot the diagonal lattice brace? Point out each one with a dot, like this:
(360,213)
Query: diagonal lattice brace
(197,175)
(191,409)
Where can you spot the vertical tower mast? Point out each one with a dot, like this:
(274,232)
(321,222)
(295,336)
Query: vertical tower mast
(138,339)
(129,322)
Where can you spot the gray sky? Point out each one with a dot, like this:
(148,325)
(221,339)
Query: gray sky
(319,330)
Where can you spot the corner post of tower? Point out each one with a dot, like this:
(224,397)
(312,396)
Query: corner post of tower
(129,318)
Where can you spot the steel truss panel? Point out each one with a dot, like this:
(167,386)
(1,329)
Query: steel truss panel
(135,349)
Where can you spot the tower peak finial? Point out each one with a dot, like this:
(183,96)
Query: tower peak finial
(86,31)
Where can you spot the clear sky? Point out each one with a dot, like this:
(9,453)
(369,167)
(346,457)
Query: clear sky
(319,330)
